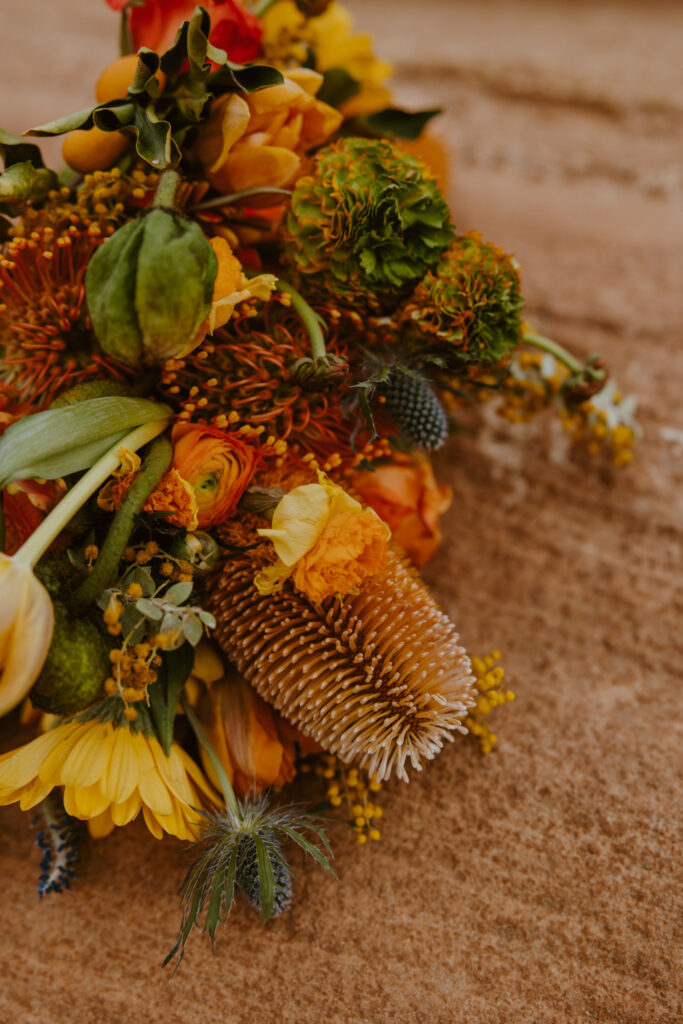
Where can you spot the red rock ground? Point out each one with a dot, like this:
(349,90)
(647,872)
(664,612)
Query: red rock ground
(538,885)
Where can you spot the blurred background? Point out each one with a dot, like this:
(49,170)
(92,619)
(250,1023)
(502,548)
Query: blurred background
(538,884)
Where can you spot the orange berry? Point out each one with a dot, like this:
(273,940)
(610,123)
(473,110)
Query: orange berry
(94,150)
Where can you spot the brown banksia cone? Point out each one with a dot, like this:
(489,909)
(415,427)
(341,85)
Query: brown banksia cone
(377,678)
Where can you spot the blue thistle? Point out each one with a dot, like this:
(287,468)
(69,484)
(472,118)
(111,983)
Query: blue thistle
(59,839)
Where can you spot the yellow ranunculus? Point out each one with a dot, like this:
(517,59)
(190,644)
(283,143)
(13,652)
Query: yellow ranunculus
(26,624)
(309,526)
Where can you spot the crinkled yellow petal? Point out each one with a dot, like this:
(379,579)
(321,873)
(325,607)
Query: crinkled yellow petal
(270,579)
(298,521)
(260,166)
(307,79)
(227,123)
(26,625)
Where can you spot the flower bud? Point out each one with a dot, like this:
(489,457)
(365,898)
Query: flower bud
(200,549)
(149,288)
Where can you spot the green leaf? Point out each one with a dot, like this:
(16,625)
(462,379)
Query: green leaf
(23,181)
(144,83)
(266,878)
(179,592)
(148,609)
(222,896)
(68,123)
(245,79)
(193,630)
(154,142)
(164,694)
(143,577)
(337,87)
(309,847)
(399,123)
(54,443)
(17,151)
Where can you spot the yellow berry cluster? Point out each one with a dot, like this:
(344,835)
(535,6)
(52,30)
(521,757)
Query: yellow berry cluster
(354,789)
(490,694)
(177,569)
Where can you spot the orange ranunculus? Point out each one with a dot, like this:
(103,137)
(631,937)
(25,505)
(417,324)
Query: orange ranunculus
(218,466)
(259,140)
(173,495)
(351,548)
(406,496)
(234,29)
(243,730)
(26,503)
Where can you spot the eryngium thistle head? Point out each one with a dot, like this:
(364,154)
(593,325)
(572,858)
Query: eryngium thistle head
(249,881)
(472,301)
(377,678)
(366,226)
(415,409)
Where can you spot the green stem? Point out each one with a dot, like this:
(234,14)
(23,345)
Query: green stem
(264,7)
(236,197)
(156,463)
(166,189)
(308,317)
(228,792)
(560,353)
(2,521)
(50,528)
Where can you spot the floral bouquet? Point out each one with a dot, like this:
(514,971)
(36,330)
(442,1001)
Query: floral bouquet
(231,331)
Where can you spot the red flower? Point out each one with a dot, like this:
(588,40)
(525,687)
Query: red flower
(233,28)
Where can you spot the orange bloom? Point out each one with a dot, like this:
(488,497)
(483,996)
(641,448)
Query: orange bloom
(259,140)
(351,548)
(218,467)
(244,732)
(174,495)
(406,496)
(26,503)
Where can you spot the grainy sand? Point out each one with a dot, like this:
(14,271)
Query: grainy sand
(536,886)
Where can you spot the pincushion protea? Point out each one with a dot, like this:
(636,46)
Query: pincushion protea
(377,678)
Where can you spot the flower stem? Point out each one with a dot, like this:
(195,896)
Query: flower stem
(41,538)
(263,7)
(228,792)
(164,196)
(560,353)
(236,197)
(308,317)
(157,461)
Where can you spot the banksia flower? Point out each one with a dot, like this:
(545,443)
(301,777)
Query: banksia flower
(472,302)
(413,406)
(366,226)
(378,678)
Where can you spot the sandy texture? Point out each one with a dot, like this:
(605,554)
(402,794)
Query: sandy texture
(537,886)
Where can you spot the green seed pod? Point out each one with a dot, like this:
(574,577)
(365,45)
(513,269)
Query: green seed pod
(150,286)
(76,667)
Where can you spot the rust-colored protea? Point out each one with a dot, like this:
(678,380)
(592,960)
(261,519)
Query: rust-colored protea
(378,678)
(46,342)
(248,376)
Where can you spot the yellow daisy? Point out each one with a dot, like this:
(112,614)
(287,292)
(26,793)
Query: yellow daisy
(108,773)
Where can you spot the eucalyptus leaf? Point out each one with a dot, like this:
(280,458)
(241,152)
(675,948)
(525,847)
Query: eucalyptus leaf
(171,624)
(149,609)
(179,592)
(208,619)
(143,578)
(193,631)
(54,443)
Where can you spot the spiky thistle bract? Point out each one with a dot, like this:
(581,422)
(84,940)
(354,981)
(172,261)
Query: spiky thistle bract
(241,848)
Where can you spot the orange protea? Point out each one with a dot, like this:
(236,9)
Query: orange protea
(46,341)
(377,678)
(245,377)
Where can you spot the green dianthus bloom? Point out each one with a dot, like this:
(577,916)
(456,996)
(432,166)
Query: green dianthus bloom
(366,226)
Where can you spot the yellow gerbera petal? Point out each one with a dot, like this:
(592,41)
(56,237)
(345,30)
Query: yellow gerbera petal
(102,825)
(128,809)
(84,801)
(19,767)
(89,757)
(152,788)
(121,773)
(152,823)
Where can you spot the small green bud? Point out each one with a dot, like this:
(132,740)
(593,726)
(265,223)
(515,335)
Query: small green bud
(200,549)
(76,667)
(150,286)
